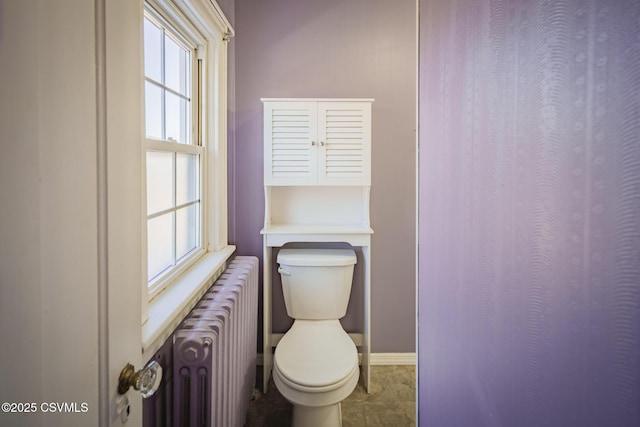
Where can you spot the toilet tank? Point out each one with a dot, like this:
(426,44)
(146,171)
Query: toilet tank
(316,283)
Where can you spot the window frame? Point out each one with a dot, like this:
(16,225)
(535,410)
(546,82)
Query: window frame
(195,146)
(204,24)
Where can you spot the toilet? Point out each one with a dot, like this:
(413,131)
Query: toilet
(315,365)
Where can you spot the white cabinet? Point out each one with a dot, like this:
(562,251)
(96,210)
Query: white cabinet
(317,178)
(317,142)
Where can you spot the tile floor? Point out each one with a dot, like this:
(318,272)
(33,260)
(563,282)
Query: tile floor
(391,402)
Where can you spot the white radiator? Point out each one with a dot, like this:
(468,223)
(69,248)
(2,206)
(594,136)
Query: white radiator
(214,351)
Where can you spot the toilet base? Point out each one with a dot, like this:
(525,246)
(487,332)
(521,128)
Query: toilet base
(317,416)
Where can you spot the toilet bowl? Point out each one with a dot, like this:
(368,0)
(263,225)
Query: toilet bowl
(315,368)
(316,362)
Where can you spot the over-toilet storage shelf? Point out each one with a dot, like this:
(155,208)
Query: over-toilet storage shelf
(317,178)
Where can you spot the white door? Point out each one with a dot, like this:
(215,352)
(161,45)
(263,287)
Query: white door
(69,293)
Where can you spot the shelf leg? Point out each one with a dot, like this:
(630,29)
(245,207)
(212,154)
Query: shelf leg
(267,353)
(366,342)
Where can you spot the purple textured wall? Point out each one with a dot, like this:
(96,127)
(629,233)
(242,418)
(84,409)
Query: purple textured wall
(342,49)
(529,222)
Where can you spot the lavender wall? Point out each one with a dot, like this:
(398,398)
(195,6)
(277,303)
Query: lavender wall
(337,48)
(529,222)
(228,8)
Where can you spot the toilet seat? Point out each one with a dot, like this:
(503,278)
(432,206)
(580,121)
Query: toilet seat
(347,382)
(316,356)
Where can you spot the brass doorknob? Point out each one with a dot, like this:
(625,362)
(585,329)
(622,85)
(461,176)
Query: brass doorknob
(146,380)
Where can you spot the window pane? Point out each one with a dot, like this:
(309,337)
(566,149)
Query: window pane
(187,181)
(159,181)
(176,63)
(152,51)
(159,244)
(176,118)
(153,110)
(187,230)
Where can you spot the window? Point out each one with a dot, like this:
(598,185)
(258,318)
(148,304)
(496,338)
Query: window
(184,140)
(185,159)
(174,153)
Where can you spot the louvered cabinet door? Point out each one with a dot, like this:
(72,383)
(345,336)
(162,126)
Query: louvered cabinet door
(344,151)
(290,156)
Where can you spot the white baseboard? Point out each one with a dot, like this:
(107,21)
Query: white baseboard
(378,359)
(393,358)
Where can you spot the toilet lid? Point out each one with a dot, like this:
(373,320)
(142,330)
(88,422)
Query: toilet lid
(316,257)
(316,353)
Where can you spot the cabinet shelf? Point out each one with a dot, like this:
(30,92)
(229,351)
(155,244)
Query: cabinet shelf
(317,229)
(281,234)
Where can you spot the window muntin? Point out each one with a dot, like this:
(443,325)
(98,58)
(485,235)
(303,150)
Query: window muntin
(168,91)
(174,156)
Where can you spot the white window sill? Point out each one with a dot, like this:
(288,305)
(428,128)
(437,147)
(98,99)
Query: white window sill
(169,307)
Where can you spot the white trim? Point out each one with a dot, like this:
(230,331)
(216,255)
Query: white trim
(206,14)
(172,147)
(170,18)
(169,13)
(214,129)
(381,359)
(102,212)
